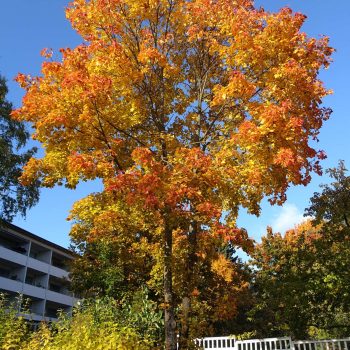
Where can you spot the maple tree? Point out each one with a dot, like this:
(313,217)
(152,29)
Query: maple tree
(186,110)
(121,264)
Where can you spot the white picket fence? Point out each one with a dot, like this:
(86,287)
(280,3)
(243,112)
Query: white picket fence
(286,343)
(216,343)
(333,344)
(265,344)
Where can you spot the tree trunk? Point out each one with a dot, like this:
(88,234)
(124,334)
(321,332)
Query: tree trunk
(185,327)
(184,341)
(169,317)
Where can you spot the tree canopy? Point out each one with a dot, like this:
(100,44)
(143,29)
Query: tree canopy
(186,110)
(302,280)
(332,204)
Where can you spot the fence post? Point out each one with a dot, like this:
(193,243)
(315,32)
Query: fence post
(292,347)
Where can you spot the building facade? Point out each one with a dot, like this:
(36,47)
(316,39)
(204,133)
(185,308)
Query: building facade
(37,269)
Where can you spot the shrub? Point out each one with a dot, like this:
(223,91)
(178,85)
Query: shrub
(13,329)
(94,325)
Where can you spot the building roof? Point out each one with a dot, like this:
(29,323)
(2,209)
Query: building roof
(32,236)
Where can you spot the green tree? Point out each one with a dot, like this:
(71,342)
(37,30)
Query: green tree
(302,283)
(331,208)
(109,268)
(14,197)
(285,284)
(332,204)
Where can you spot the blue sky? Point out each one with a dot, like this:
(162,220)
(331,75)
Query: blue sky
(28,26)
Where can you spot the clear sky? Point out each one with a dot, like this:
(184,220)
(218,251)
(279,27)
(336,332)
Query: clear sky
(26,27)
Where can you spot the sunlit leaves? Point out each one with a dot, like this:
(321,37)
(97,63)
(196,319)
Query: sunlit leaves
(186,110)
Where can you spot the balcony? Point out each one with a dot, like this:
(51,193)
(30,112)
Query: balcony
(33,291)
(11,255)
(12,270)
(36,278)
(60,298)
(13,243)
(59,285)
(10,285)
(60,261)
(40,253)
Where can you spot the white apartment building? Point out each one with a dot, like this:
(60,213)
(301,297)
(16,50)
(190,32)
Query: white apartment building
(37,269)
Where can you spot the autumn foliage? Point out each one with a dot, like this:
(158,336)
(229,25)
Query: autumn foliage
(186,110)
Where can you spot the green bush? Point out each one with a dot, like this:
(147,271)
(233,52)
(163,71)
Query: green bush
(81,333)
(13,329)
(98,325)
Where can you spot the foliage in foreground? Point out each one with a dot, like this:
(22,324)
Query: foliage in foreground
(13,329)
(94,325)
